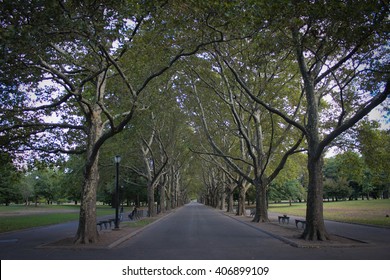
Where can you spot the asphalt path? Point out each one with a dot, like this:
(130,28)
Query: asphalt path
(192,232)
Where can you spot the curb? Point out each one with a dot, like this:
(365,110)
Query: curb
(297,244)
(104,247)
(130,235)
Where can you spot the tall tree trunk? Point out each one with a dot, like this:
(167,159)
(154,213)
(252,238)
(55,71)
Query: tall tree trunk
(241,201)
(315,227)
(261,203)
(169,186)
(87,230)
(162,198)
(230,200)
(217,196)
(151,206)
(223,200)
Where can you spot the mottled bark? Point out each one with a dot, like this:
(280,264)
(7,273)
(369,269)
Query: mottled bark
(162,198)
(87,230)
(151,202)
(315,227)
(261,214)
(241,201)
(230,200)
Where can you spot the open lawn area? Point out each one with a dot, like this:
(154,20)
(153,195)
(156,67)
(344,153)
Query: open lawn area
(369,212)
(15,217)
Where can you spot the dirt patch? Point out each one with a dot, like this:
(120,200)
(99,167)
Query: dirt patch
(291,235)
(107,239)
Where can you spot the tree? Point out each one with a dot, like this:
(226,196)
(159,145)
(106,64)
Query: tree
(374,144)
(72,178)
(265,142)
(290,183)
(9,179)
(342,181)
(340,50)
(93,51)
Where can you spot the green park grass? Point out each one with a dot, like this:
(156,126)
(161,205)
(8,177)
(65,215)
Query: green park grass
(139,223)
(17,217)
(368,212)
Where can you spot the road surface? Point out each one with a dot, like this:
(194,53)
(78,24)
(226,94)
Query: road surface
(193,232)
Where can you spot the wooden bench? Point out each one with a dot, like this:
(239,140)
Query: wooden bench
(285,219)
(303,222)
(112,221)
(134,215)
(101,223)
(105,223)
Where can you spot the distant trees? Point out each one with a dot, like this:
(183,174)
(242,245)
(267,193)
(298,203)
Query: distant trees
(9,178)
(362,173)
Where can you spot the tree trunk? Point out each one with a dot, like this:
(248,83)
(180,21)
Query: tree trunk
(261,203)
(230,202)
(151,207)
(315,226)
(162,198)
(87,230)
(241,201)
(223,192)
(223,200)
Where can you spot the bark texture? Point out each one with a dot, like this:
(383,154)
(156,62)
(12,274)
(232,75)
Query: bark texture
(87,230)
(315,227)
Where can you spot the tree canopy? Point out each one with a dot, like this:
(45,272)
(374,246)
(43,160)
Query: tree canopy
(240,86)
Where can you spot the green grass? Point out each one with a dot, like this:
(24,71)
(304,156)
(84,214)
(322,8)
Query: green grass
(16,208)
(139,223)
(11,223)
(369,212)
(16,217)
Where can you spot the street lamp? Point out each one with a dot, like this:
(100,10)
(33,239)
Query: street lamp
(117,161)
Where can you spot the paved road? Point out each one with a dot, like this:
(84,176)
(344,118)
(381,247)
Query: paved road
(192,232)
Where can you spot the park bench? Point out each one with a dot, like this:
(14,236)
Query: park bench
(253,212)
(105,223)
(285,219)
(136,215)
(303,222)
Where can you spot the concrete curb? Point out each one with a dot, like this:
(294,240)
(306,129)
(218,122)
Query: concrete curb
(297,244)
(130,235)
(103,247)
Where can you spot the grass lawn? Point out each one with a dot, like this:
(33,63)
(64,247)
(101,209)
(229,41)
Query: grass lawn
(370,212)
(15,217)
(139,223)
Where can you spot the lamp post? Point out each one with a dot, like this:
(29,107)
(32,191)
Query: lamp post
(117,161)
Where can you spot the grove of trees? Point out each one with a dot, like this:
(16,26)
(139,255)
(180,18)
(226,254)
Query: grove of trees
(210,99)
